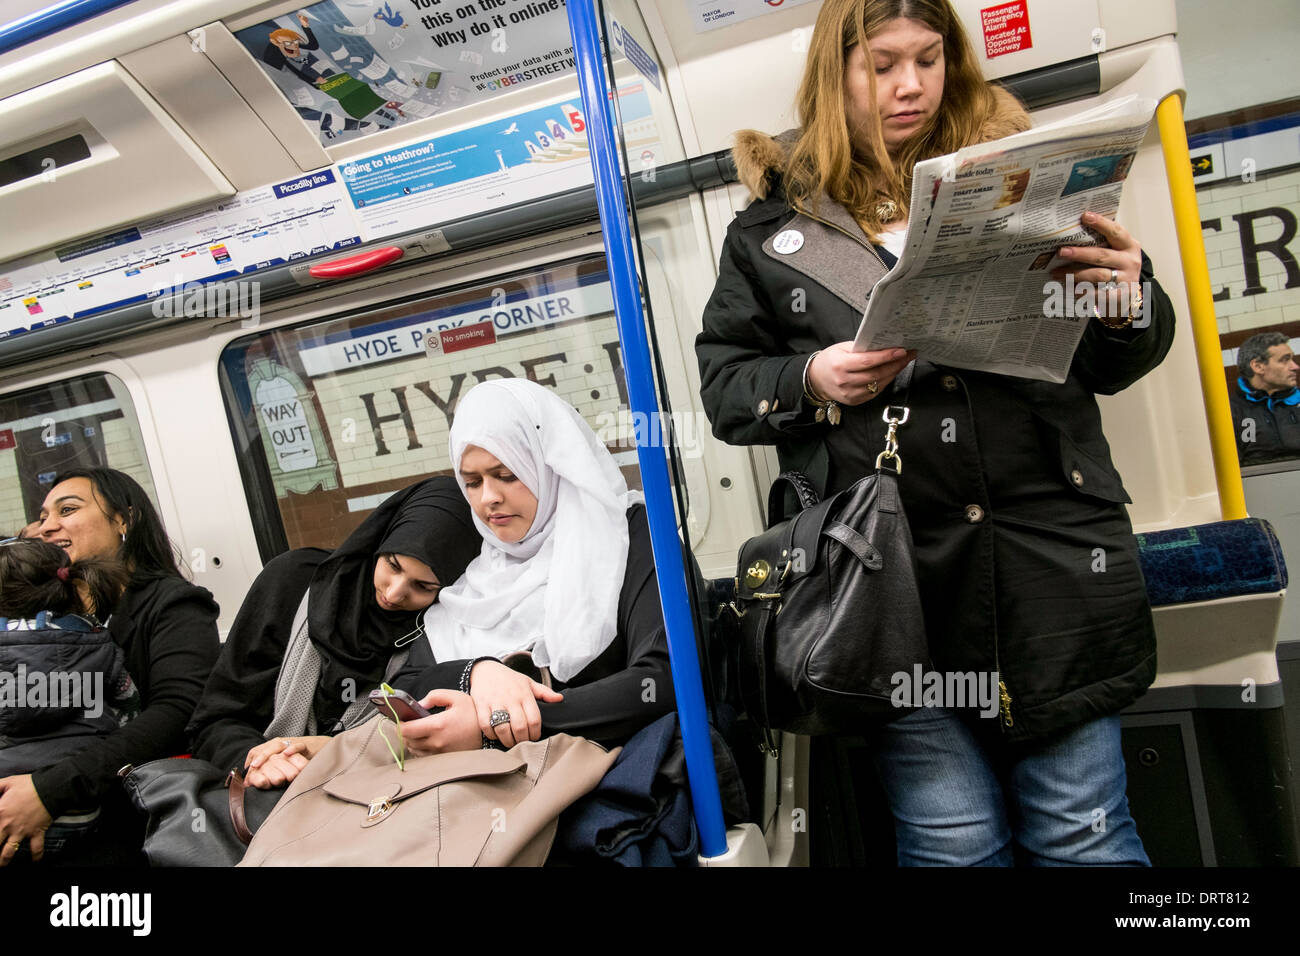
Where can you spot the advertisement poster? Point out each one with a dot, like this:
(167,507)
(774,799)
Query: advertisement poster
(352,67)
(525,156)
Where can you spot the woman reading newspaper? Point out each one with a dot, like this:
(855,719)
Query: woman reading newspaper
(1013,500)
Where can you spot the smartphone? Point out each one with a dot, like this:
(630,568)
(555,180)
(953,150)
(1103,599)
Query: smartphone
(400,702)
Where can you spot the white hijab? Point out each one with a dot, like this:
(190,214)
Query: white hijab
(556,591)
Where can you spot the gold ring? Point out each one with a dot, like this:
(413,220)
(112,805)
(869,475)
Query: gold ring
(873,388)
(17,844)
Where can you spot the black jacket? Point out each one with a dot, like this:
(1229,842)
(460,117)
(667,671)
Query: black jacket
(624,689)
(1267,426)
(1026,559)
(83,688)
(239,698)
(167,628)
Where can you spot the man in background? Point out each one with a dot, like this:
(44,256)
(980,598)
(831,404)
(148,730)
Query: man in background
(1265,400)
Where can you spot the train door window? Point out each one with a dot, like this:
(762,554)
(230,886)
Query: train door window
(332,417)
(1242,126)
(82,422)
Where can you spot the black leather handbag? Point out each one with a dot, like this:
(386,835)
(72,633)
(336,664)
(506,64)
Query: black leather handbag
(199,814)
(828,604)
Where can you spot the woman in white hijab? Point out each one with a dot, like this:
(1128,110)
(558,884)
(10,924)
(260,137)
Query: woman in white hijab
(565,575)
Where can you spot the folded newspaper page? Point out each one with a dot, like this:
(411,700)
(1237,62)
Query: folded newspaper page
(973,288)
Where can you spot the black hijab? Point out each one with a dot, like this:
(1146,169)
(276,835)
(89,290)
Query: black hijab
(430,522)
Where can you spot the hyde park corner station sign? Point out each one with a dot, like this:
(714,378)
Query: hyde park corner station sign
(564,338)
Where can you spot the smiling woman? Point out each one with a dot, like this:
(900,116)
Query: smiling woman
(167,630)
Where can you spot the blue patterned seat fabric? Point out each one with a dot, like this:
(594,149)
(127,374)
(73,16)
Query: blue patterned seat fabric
(1208,561)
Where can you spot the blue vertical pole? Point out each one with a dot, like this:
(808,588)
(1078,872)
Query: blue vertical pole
(671,570)
(53,18)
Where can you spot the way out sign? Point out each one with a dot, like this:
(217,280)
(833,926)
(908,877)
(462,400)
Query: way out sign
(284,421)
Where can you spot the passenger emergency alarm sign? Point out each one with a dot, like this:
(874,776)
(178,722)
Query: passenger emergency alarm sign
(1006,28)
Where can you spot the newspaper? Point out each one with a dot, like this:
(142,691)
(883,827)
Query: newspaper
(973,288)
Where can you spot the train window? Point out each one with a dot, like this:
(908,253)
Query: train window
(1245,154)
(330,418)
(76,423)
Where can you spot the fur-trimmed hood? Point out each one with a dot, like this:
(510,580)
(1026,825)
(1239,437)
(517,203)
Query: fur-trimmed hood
(758,156)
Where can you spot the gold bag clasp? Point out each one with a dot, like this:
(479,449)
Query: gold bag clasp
(757,573)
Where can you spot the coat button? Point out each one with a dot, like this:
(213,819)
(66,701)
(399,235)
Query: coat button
(762,407)
(1076,476)
(949,383)
(974,514)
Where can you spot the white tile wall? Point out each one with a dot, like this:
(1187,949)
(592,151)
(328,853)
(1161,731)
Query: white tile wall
(1223,251)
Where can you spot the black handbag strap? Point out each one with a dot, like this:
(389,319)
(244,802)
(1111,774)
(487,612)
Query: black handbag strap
(858,546)
(791,492)
(762,629)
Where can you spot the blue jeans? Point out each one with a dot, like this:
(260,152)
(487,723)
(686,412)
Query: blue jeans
(961,795)
(64,832)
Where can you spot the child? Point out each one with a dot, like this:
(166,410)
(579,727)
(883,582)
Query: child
(62,678)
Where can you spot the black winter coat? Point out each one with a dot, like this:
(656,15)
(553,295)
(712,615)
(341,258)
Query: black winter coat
(1267,427)
(167,629)
(83,681)
(1026,558)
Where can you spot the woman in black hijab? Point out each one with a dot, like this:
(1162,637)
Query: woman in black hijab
(319,630)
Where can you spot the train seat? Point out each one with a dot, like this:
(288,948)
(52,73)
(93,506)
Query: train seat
(1206,746)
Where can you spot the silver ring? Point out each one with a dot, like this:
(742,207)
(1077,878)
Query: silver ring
(498,718)
(1114,279)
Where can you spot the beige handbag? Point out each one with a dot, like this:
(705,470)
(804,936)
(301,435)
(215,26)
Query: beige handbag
(353,806)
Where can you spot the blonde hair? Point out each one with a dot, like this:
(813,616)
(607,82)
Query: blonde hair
(824,160)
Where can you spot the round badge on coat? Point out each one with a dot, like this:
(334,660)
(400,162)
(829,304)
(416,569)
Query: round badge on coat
(791,240)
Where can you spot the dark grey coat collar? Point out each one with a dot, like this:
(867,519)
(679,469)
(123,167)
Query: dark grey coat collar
(832,253)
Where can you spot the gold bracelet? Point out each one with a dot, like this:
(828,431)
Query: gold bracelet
(1121,324)
(1134,309)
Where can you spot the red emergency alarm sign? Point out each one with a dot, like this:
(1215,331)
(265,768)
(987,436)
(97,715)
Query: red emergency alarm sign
(1006,28)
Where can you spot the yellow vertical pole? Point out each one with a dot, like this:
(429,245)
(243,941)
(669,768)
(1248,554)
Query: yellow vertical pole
(1205,327)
